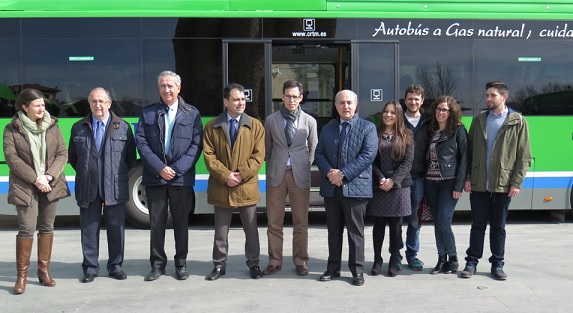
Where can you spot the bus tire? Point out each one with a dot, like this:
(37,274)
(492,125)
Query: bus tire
(136,208)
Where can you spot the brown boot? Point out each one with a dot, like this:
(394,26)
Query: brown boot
(44,256)
(23,251)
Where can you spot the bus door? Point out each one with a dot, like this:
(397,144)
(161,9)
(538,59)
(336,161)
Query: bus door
(247,62)
(374,75)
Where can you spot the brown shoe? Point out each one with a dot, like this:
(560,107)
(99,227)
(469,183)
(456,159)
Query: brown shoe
(302,270)
(44,255)
(271,269)
(23,251)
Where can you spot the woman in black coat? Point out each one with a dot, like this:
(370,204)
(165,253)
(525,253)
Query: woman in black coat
(447,159)
(391,178)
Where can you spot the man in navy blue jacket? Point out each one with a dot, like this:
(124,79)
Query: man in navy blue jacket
(344,155)
(102,151)
(169,139)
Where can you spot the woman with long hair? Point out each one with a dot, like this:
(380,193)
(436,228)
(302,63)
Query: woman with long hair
(447,168)
(36,154)
(391,178)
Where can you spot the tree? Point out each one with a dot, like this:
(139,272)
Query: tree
(440,83)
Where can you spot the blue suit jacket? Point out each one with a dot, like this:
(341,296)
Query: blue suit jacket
(185,149)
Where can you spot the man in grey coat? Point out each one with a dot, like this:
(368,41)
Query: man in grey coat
(290,141)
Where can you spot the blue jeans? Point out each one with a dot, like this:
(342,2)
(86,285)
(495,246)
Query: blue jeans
(413,231)
(488,207)
(439,194)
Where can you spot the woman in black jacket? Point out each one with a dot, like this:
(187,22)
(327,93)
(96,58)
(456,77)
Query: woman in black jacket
(447,167)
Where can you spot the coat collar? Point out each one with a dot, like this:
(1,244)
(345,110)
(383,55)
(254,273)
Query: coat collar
(353,121)
(221,120)
(182,105)
(114,119)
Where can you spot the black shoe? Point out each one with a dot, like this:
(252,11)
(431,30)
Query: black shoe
(154,274)
(394,266)
(358,280)
(377,268)
(328,276)
(498,273)
(119,275)
(441,266)
(393,271)
(452,265)
(468,271)
(215,273)
(255,272)
(88,278)
(181,273)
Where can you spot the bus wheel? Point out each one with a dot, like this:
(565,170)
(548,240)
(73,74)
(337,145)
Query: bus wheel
(136,208)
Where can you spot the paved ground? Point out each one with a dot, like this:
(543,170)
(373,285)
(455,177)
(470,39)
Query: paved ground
(539,259)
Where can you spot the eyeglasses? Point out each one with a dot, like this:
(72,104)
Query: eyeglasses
(96,102)
(440,110)
(291,97)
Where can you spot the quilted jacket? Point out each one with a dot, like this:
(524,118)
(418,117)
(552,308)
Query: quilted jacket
(19,159)
(118,154)
(356,159)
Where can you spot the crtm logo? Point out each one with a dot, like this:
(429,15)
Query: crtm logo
(248,95)
(308,24)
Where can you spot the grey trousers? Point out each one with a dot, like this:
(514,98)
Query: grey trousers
(221,244)
(41,214)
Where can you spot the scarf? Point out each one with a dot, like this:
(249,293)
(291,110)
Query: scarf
(37,138)
(290,117)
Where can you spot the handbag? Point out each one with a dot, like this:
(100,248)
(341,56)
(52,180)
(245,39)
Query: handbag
(424,213)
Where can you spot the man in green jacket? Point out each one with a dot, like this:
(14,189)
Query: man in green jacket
(500,157)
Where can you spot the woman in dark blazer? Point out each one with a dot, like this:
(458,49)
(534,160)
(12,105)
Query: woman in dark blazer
(391,179)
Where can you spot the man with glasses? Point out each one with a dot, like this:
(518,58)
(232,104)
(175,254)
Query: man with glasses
(169,136)
(500,155)
(102,151)
(290,141)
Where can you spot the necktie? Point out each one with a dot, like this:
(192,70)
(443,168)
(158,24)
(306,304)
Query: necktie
(233,131)
(341,143)
(99,134)
(168,129)
(289,128)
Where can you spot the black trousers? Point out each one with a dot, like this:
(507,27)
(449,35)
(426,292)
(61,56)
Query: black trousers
(90,221)
(178,200)
(492,208)
(343,211)
(378,234)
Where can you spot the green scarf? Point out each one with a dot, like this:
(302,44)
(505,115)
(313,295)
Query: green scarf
(37,139)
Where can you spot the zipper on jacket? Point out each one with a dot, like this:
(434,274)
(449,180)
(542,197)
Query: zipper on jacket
(161,138)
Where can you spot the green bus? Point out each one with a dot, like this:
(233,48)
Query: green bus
(376,48)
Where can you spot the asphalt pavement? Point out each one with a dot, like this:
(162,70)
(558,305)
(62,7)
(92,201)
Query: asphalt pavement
(539,258)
